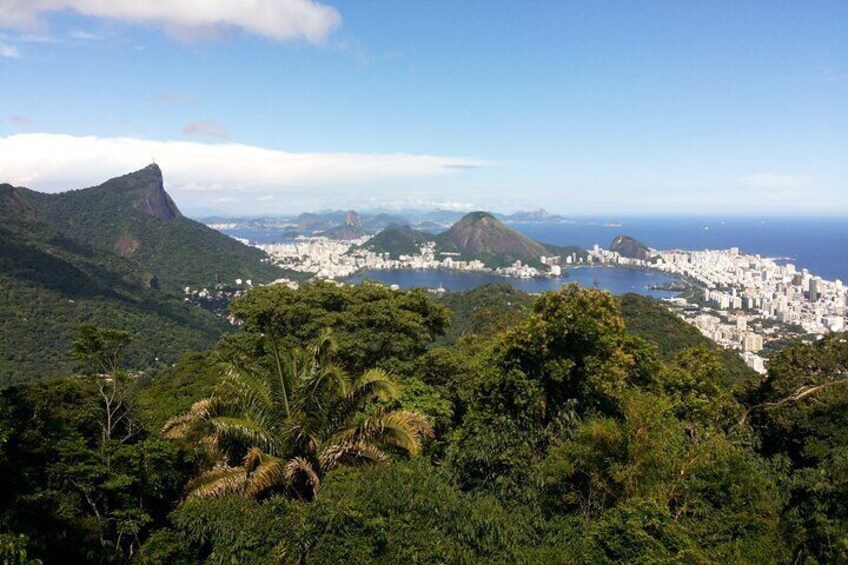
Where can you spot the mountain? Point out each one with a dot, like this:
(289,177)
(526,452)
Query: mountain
(628,247)
(480,235)
(50,284)
(351,229)
(379,222)
(345,232)
(398,240)
(353,219)
(539,216)
(134,217)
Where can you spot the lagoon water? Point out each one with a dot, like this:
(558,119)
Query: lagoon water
(615,280)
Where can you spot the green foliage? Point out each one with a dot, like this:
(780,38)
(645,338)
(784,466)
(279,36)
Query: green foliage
(179,252)
(801,412)
(398,240)
(13,550)
(484,311)
(566,432)
(291,418)
(80,489)
(100,350)
(649,319)
(50,285)
(372,325)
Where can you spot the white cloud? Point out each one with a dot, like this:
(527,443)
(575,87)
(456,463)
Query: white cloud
(266,198)
(54,162)
(9,52)
(206,128)
(281,20)
(770,181)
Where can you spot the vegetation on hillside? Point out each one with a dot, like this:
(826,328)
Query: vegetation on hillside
(477,236)
(561,434)
(134,217)
(397,240)
(50,284)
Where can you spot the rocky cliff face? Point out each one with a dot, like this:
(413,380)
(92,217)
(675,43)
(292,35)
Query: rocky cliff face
(353,219)
(150,196)
(628,247)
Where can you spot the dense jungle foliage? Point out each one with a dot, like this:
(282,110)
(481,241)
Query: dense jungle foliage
(357,424)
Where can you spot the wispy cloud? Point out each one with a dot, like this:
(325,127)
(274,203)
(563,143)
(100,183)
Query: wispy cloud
(172,98)
(20,121)
(206,128)
(59,162)
(771,181)
(82,35)
(9,51)
(280,20)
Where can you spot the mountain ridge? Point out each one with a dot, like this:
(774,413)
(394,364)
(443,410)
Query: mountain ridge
(133,216)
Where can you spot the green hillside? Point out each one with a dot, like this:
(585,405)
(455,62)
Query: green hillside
(50,284)
(650,320)
(133,216)
(398,240)
(479,235)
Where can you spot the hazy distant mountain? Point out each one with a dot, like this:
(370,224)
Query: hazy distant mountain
(51,283)
(628,247)
(344,233)
(537,216)
(134,217)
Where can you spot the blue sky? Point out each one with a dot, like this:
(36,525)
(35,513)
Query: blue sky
(279,106)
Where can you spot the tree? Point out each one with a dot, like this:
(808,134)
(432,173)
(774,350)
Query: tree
(800,411)
(374,327)
(285,429)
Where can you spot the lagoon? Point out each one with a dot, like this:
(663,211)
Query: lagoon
(616,280)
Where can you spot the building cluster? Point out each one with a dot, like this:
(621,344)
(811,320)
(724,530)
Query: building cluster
(330,259)
(325,258)
(747,300)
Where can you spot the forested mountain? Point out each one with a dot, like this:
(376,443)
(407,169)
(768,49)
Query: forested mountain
(134,217)
(628,247)
(399,240)
(50,284)
(478,235)
(481,235)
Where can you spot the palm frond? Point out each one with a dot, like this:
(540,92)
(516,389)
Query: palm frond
(178,426)
(244,430)
(270,473)
(250,389)
(374,383)
(219,481)
(398,428)
(299,471)
(352,453)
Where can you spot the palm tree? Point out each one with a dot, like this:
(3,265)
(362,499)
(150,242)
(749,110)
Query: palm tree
(288,426)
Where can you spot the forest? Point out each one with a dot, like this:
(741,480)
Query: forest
(356,424)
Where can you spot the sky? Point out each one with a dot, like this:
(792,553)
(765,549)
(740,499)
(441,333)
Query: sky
(272,107)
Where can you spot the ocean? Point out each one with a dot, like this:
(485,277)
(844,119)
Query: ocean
(817,244)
